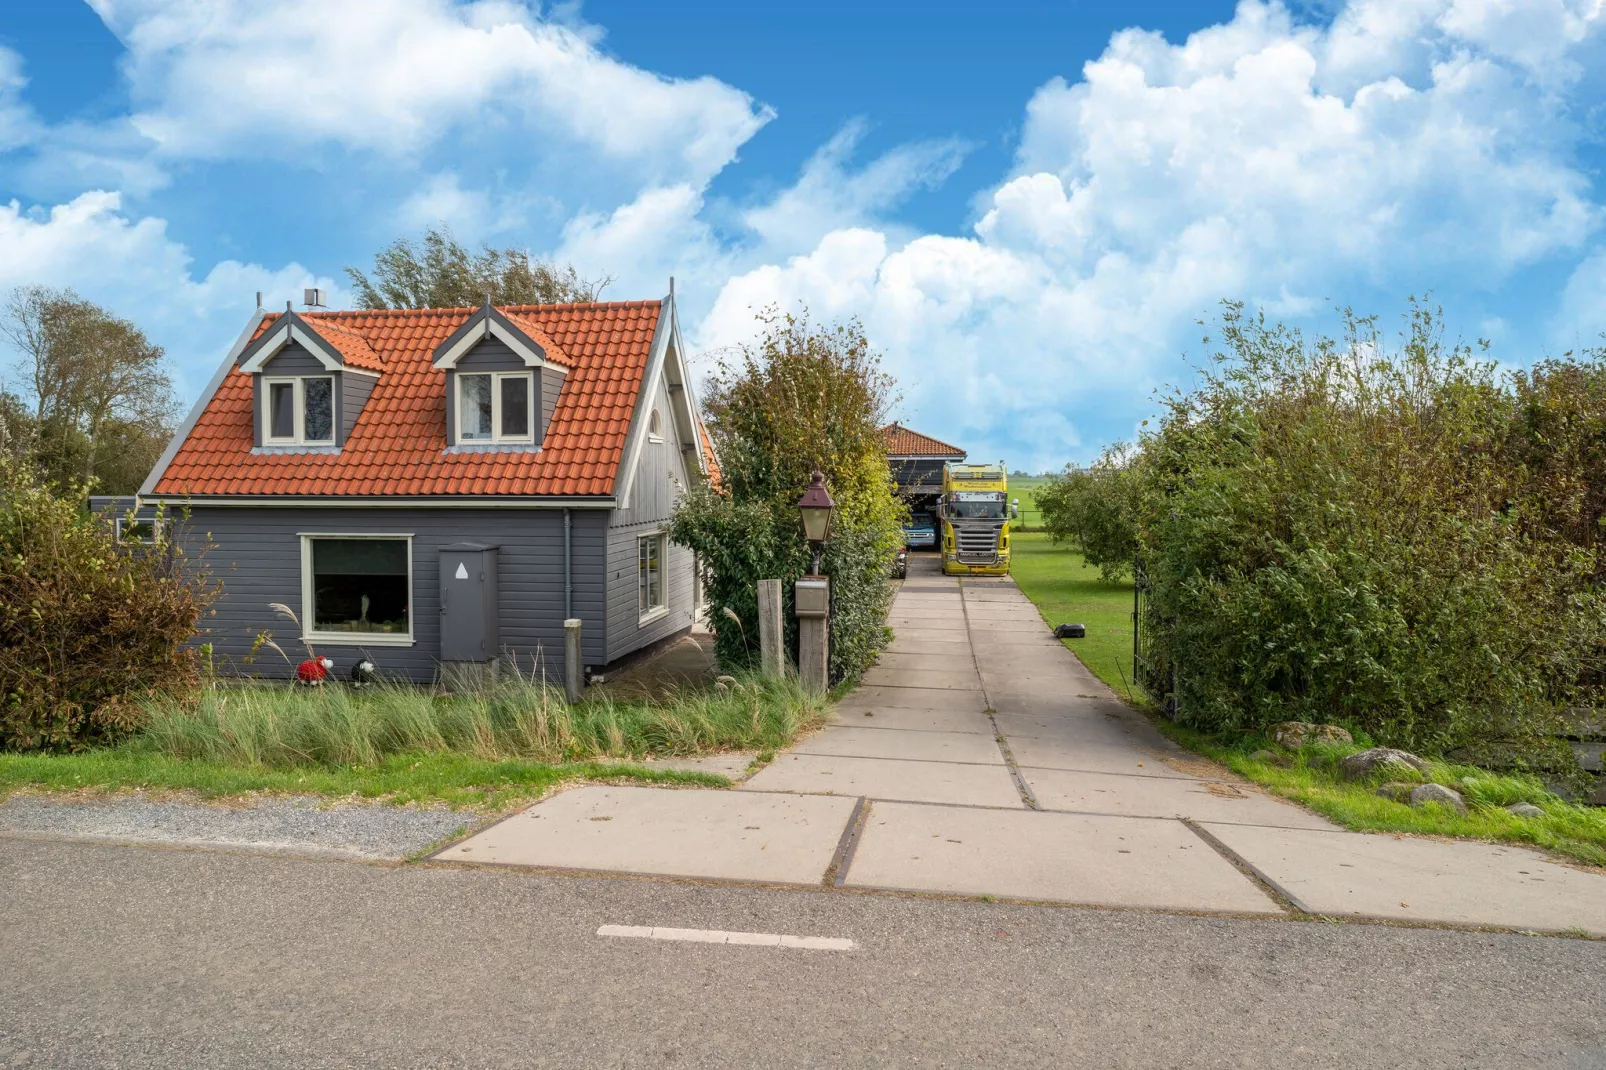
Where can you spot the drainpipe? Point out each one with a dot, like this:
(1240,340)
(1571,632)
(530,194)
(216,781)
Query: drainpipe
(568,573)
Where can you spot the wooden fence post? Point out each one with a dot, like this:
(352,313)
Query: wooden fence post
(770,632)
(574,680)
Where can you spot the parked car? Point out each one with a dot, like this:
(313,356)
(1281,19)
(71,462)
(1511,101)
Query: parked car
(920,533)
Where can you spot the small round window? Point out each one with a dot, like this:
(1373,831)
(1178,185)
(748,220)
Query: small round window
(655,424)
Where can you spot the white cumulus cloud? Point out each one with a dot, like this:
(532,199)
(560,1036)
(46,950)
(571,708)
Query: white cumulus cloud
(1263,159)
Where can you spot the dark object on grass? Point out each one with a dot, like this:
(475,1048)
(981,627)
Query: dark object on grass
(1071,631)
(1364,763)
(363,674)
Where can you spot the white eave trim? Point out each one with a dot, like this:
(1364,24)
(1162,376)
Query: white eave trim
(636,439)
(489,328)
(281,336)
(199,407)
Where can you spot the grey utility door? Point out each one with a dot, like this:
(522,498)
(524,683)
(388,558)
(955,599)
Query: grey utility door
(468,602)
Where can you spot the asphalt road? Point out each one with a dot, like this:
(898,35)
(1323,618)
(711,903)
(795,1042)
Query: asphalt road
(146,957)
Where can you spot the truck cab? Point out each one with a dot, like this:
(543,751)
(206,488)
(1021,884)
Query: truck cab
(975,519)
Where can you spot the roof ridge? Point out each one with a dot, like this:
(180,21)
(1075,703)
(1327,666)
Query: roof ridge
(328,314)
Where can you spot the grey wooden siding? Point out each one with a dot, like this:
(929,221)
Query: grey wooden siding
(354,391)
(660,480)
(551,384)
(257,556)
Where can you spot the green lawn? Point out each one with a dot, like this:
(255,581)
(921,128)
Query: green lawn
(1067,590)
(1025,488)
(458,780)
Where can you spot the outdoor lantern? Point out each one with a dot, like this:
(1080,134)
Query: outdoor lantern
(816,506)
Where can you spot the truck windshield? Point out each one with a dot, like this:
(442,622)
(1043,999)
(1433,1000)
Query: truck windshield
(971,505)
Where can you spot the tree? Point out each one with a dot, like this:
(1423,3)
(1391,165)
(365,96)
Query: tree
(798,398)
(102,400)
(1095,509)
(439,272)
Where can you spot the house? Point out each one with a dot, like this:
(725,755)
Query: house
(916,461)
(426,487)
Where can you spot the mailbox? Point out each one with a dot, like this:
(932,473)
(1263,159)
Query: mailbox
(811,597)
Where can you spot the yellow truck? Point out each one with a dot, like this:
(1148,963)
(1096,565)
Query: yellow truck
(976,512)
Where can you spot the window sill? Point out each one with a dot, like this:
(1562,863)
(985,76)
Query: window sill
(295,447)
(657,614)
(358,639)
(493,447)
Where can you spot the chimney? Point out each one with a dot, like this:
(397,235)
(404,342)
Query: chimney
(315,298)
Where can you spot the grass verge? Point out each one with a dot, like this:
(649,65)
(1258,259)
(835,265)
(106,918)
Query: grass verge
(403,744)
(457,780)
(1066,588)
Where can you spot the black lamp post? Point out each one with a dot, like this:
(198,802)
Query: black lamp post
(816,507)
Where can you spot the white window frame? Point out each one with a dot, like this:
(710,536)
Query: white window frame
(358,639)
(497,438)
(655,426)
(158,529)
(648,614)
(298,419)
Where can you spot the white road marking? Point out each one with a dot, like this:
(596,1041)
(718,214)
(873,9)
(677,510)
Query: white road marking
(717,936)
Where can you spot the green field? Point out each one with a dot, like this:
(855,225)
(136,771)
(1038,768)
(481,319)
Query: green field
(1067,590)
(1025,488)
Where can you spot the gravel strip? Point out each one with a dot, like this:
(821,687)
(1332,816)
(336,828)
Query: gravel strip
(299,825)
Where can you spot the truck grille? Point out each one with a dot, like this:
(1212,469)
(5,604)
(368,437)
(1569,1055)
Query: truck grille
(977,546)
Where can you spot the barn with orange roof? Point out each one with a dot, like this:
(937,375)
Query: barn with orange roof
(436,487)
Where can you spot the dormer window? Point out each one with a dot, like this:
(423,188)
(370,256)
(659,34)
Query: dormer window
(494,406)
(299,410)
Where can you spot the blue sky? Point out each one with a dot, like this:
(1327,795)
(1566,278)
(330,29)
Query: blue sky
(1028,206)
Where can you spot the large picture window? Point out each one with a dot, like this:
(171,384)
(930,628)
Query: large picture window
(494,406)
(357,588)
(299,411)
(650,575)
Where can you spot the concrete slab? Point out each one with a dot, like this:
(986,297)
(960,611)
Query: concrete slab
(997,594)
(954,648)
(722,834)
(1164,796)
(919,698)
(1002,611)
(1386,876)
(1072,858)
(960,676)
(883,778)
(956,658)
(1010,625)
(1113,754)
(1079,721)
(927,746)
(901,623)
(893,718)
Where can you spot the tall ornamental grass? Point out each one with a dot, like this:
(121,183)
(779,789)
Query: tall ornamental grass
(1394,537)
(514,718)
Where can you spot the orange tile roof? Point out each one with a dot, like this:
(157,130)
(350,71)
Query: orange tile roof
(715,476)
(353,347)
(397,446)
(902,442)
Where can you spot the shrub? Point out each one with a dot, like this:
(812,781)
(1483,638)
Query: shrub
(87,625)
(1393,540)
(1095,510)
(800,397)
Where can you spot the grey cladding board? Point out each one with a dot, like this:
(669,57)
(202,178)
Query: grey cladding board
(294,359)
(660,479)
(257,555)
(551,385)
(355,389)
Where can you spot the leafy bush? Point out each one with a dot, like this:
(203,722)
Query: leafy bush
(1401,541)
(87,625)
(518,717)
(800,397)
(1095,510)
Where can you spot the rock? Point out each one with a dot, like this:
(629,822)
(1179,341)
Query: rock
(1397,791)
(1525,809)
(1269,756)
(1363,763)
(1295,734)
(1437,793)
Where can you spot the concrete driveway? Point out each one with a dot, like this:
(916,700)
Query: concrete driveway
(980,758)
